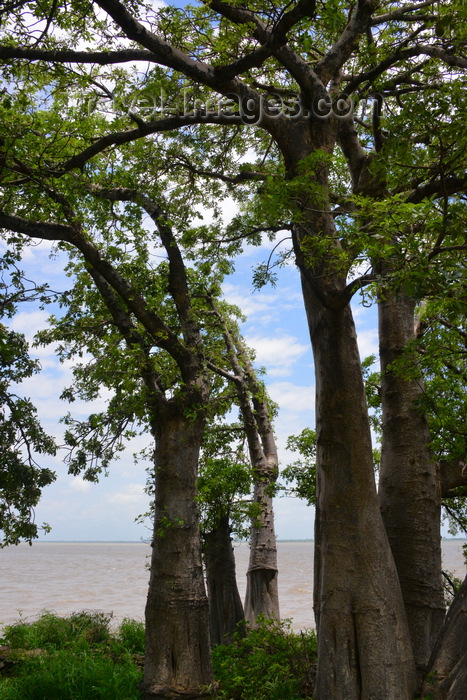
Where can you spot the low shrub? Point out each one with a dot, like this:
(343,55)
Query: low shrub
(270,663)
(130,636)
(82,660)
(53,632)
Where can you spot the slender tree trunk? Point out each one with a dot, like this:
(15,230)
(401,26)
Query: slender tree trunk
(447,669)
(177,662)
(409,488)
(364,647)
(262,597)
(225,605)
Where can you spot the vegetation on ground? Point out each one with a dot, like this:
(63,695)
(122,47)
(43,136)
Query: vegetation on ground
(270,663)
(79,657)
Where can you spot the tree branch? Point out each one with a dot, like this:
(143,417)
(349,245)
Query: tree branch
(103,58)
(275,40)
(452,475)
(144,129)
(168,55)
(437,188)
(403,13)
(178,284)
(162,335)
(333,61)
(403,55)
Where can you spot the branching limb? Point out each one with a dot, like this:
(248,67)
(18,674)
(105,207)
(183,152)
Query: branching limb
(163,336)
(404,13)
(335,58)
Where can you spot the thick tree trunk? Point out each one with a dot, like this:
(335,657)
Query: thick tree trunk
(177,662)
(364,646)
(225,605)
(262,596)
(447,669)
(409,488)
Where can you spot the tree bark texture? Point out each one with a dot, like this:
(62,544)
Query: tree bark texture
(447,679)
(262,594)
(177,662)
(225,605)
(262,597)
(364,647)
(409,488)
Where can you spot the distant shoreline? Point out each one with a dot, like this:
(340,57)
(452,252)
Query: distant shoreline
(448,539)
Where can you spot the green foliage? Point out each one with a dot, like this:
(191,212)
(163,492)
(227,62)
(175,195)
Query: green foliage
(21,440)
(302,472)
(451,586)
(80,658)
(270,663)
(131,635)
(225,479)
(373,396)
(52,632)
(73,675)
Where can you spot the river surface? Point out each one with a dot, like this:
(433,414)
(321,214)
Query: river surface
(66,577)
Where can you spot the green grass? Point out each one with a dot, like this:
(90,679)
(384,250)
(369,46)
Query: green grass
(81,659)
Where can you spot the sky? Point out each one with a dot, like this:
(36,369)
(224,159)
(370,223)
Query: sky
(276,328)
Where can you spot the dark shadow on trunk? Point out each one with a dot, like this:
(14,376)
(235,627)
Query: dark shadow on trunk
(364,647)
(225,606)
(409,488)
(447,670)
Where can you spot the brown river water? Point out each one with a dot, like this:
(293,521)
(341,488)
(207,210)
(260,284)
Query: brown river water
(66,577)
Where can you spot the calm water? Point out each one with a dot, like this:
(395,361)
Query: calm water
(67,577)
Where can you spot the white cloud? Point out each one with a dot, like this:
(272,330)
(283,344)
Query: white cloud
(368,342)
(263,306)
(132,493)
(277,353)
(29,322)
(291,397)
(80,485)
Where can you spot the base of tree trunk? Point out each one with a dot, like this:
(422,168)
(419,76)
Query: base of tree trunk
(165,693)
(225,605)
(447,671)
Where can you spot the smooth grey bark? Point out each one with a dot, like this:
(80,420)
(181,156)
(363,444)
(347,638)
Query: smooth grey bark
(364,648)
(409,485)
(177,658)
(262,592)
(363,641)
(447,669)
(262,596)
(225,605)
